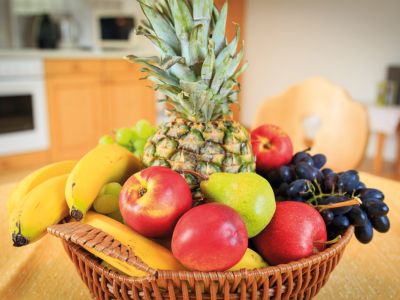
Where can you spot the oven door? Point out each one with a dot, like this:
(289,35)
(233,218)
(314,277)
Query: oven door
(23,116)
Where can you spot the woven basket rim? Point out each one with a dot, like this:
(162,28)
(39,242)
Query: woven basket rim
(197,275)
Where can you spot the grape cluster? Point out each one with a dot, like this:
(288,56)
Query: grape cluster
(305,180)
(134,138)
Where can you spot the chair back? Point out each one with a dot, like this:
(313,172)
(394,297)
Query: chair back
(323,116)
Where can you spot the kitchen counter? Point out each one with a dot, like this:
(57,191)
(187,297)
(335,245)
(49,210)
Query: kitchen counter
(75,53)
(43,270)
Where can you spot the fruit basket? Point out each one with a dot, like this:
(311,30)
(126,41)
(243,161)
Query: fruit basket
(297,280)
(200,181)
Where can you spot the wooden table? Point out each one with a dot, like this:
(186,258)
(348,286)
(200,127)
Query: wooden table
(43,270)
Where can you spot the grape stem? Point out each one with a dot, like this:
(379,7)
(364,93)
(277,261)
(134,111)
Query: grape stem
(321,195)
(351,202)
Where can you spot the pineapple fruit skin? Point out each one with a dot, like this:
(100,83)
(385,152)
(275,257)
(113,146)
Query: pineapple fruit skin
(217,146)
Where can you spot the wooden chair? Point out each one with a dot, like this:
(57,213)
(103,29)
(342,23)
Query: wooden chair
(320,115)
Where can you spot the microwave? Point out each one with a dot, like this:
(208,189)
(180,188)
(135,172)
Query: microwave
(114,30)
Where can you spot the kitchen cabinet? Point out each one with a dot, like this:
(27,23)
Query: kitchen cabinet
(127,98)
(88,98)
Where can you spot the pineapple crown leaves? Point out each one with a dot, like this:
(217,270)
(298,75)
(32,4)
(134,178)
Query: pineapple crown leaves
(197,69)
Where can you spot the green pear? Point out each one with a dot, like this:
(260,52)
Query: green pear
(248,193)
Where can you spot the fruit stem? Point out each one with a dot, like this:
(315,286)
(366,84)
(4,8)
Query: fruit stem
(201,176)
(142,191)
(351,202)
(19,240)
(76,214)
(334,241)
(321,195)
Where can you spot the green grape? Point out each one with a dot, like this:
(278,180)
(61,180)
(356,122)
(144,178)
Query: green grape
(138,154)
(135,133)
(112,188)
(116,215)
(144,129)
(106,139)
(139,145)
(107,201)
(123,136)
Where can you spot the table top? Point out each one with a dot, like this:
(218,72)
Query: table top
(43,270)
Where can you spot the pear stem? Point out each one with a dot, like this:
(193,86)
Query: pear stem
(198,175)
(351,202)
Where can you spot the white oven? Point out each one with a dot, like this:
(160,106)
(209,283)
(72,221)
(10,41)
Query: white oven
(23,106)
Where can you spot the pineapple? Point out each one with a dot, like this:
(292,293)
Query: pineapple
(197,71)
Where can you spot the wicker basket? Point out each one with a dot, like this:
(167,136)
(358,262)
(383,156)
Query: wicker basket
(297,280)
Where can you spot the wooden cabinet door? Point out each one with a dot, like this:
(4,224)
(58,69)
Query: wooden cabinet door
(75,115)
(127,99)
(127,103)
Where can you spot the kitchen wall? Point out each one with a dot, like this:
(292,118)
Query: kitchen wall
(4,34)
(85,10)
(350,42)
(82,11)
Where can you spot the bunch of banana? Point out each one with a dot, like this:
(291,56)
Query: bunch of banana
(151,253)
(104,164)
(49,194)
(37,202)
(36,178)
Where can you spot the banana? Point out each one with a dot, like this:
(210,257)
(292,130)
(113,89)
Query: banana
(43,206)
(250,260)
(151,253)
(104,164)
(36,178)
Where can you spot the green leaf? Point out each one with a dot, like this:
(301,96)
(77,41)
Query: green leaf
(202,11)
(185,47)
(241,70)
(170,61)
(135,59)
(208,65)
(163,47)
(182,71)
(195,45)
(220,75)
(227,87)
(163,7)
(228,50)
(161,26)
(156,71)
(219,30)
(183,19)
(234,64)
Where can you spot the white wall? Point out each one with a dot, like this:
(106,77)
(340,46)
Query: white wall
(349,42)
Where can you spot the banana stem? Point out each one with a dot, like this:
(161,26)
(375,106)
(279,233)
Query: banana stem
(351,202)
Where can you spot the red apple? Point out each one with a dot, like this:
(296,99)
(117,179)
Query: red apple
(210,237)
(271,146)
(152,200)
(296,231)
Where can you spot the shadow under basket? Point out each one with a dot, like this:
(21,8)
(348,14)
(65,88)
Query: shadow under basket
(297,280)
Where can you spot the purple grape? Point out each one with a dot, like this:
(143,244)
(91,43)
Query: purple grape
(319,160)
